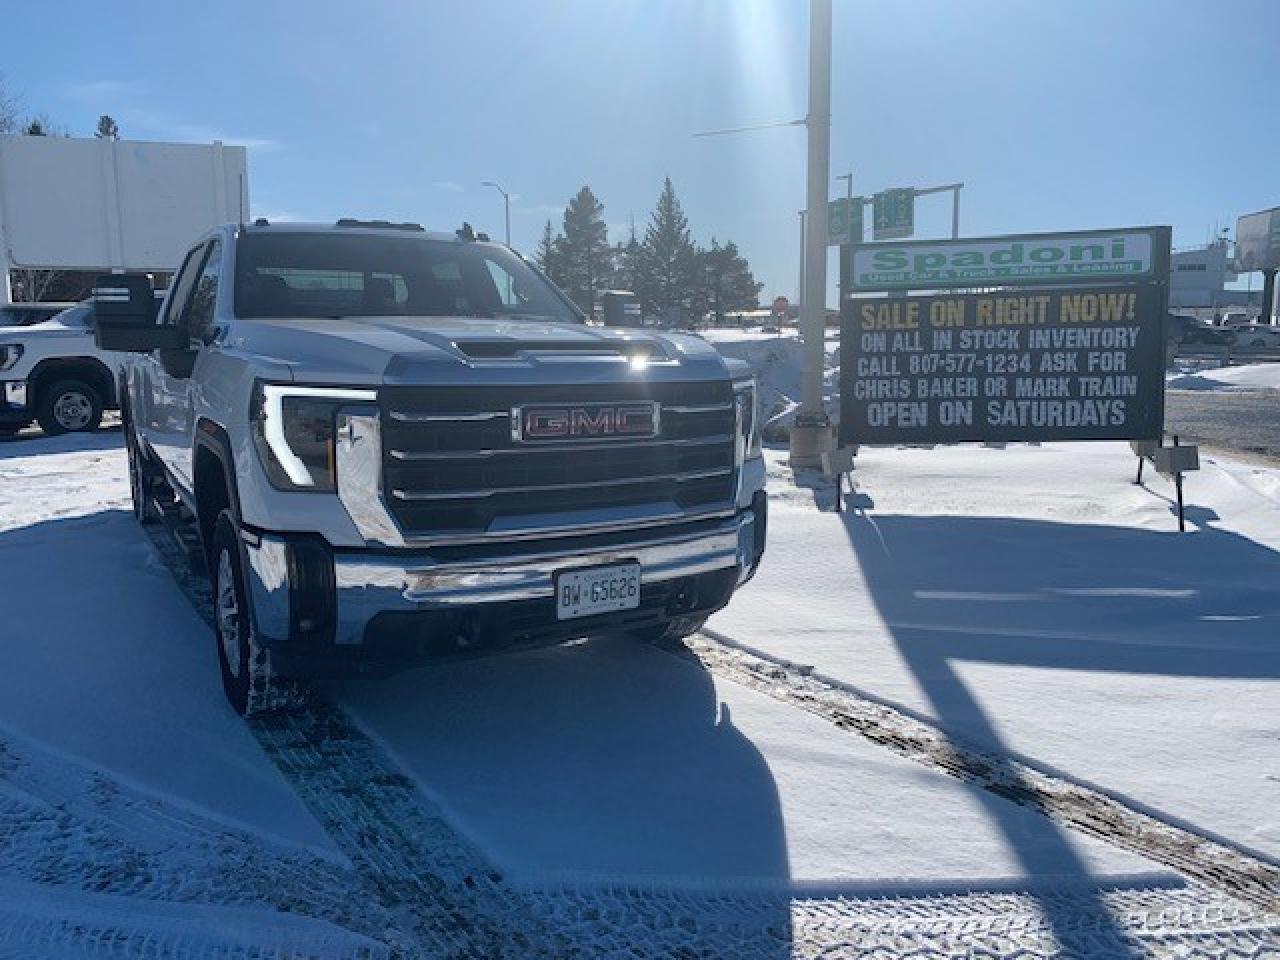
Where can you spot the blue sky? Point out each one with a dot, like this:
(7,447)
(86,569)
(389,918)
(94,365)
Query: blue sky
(1056,115)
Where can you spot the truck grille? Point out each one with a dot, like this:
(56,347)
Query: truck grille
(450,464)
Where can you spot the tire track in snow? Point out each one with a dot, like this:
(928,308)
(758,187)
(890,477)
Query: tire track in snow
(1092,812)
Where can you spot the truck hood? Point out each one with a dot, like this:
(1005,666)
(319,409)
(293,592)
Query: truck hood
(44,329)
(467,351)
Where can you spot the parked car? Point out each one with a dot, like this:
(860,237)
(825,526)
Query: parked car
(388,437)
(53,372)
(25,314)
(1188,331)
(1261,336)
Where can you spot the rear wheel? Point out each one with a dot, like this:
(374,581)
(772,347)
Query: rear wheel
(68,406)
(142,478)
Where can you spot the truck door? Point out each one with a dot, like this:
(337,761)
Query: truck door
(191,308)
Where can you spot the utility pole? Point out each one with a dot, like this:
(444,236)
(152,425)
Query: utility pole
(811,432)
(800,285)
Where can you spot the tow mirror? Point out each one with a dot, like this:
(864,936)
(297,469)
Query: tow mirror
(125,316)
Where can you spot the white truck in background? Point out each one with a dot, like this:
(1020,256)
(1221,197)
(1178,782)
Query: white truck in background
(53,372)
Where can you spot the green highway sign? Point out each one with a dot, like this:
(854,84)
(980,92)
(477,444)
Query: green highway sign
(844,221)
(895,213)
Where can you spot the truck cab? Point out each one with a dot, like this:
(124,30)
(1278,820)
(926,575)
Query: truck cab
(389,437)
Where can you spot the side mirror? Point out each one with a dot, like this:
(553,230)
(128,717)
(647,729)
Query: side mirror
(125,316)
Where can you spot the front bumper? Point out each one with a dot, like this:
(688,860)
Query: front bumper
(308,596)
(13,402)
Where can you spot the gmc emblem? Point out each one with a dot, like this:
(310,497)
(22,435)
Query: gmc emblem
(586,421)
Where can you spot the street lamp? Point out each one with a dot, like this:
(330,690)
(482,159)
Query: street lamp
(506,205)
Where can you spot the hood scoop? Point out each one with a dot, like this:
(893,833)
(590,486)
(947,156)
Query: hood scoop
(508,350)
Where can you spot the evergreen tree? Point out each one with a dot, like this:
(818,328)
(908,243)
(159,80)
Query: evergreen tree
(627,261)
(729,282)
(107,129)
(667,268)
(35,128)
(584,256)
(550,256)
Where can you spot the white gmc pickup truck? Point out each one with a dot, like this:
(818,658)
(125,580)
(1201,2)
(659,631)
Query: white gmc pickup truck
(388,437)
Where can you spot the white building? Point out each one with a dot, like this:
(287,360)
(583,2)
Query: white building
(88,205)
(1197,284)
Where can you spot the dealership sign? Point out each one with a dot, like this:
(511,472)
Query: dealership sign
(1022,362)
(1054,258)
(1258,241)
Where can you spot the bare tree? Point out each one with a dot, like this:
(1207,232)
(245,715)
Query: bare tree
(30,284)
(9,107)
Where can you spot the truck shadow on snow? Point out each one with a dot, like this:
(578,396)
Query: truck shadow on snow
(956,590)
(605,766)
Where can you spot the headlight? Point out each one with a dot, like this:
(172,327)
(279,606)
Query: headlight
(744,394)
(293,429)
(10,354)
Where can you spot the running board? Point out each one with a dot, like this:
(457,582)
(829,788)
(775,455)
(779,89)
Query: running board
(180,524)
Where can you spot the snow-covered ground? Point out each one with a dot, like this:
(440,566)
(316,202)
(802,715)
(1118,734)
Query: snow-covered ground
(1036,600)
(609,798)
(1249,376)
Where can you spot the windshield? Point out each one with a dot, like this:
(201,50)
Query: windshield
(371,275)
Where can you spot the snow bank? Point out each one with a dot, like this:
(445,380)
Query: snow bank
(1251,376)
(777,360)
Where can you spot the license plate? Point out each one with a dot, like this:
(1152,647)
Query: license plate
(581,593)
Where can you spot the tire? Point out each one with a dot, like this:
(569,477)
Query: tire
(246,667)
(68,406)
(142,479)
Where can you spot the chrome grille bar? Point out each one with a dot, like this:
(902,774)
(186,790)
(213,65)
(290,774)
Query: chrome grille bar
(416,496)
(480,416)
(409,456)
(697,407)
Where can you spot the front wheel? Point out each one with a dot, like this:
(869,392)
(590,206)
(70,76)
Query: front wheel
(69,406)
(246,667)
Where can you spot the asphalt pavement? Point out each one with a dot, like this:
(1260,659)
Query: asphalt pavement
(1247,421)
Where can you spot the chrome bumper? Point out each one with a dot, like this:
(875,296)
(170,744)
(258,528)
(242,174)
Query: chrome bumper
(368,583)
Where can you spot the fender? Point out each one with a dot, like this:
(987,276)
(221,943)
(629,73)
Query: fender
(211,437)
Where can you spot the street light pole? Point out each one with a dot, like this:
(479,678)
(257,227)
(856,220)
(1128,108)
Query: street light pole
(811,431)
(506,205)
